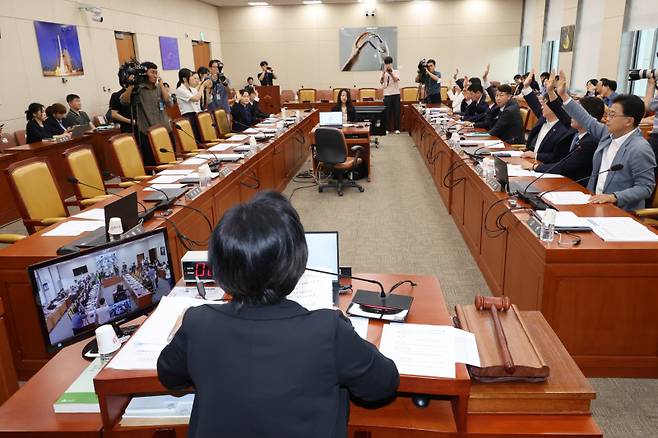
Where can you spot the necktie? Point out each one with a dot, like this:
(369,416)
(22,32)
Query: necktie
(574,142)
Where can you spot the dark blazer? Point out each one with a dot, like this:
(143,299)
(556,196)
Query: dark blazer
(507,124)
(35,133)
(476,111)
(558,140)
(351,112)
(273,370)
(578,164)
(73,119)
(256,113)
(241,117)
(53,126)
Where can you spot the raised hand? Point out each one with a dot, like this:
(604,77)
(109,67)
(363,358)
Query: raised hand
(485,74)
(562,86)
(527,81)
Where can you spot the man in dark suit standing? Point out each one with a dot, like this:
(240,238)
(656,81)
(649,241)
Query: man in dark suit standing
(549,140)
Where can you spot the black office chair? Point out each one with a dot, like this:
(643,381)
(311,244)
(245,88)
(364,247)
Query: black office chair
(331,152)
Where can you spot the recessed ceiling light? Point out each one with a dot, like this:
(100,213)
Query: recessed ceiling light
(258,4)
(312,2)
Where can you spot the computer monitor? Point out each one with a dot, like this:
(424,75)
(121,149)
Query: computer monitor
(323,250)
(502,176)
(376,115)
(108,284)
(333,118)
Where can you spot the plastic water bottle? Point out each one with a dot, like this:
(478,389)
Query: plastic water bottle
(204,175)
(283,112)
(253,145)
(488,167)
(454,141)
(547,230)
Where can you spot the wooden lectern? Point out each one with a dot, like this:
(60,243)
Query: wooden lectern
(270,99)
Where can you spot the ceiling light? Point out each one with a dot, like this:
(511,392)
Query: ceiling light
(258,4)
(312,2)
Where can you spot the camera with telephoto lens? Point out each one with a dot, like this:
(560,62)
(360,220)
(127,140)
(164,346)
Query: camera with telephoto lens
(132,73)
(637,74)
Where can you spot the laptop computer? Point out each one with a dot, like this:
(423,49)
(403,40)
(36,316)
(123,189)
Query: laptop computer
(332,119)
(511,186)
(80,130)
(157,196)
(124,208)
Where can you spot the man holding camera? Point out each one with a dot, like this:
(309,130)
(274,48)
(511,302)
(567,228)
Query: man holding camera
(266,76)
(219,90)
(430,77)
(651,104)
(151,99)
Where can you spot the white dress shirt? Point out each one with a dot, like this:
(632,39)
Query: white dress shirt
(184,95)
(456,99)
(607,159)
(543,131)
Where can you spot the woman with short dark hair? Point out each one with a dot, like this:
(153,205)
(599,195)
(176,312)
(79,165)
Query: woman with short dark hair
(262,365)
(35,130)
(345,106)
(55,114)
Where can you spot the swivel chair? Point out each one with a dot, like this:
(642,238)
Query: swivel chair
(331,152)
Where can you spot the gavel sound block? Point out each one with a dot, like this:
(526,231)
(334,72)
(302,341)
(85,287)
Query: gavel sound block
(507,351)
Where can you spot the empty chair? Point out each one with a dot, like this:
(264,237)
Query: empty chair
(336,92)
(410,94)
(206,127)
(10,237)
(20,137)
(287,96)
(331,152)
(367,94)
(163,150)
(323,95)
(127,158)
(525,115)
(184,135)
(82,165)
(307,95)
(444,94)
(223,124)
(36,193)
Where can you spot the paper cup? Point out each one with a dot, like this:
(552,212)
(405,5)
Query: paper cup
(107,339)
(115,226)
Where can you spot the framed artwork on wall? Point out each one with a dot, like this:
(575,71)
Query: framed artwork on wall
(364,48)
(169,53)
(59,49)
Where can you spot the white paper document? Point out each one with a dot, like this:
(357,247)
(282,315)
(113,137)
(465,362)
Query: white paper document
(143,348)
(517,170)
(239,137)
(74,228)
(94,214)
(567,198)
(212,293)
(621,229)
(175,172)
(159,406)
(428,350)
(165,179)
(360,326)
(250,131)
(220,147)
(155,187)
(194,161)
(229,157)
(508,153)
(313,291)
(566,219)
(492,144)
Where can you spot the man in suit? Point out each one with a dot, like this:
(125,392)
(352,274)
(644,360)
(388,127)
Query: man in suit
(75,115)
(477,109)
(577,164)
(619,142)
(504,119)
(549,140)
(241,112)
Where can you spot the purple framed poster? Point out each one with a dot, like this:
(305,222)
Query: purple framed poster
(59,49)
(169,53)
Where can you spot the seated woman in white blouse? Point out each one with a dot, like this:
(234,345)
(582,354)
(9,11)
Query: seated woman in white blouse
(189,91)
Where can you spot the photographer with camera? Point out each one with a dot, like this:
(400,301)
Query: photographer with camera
(148,97)
(120,112)
(219,89)
(430,77)
(390,81)
(651,104)
(266,76)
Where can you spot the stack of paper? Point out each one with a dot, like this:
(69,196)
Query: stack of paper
(220,147)
(517,170)
(621,229)
(251,131)
(567,198)
(360,326)
(175,172)
(566,219)
(313,291)
(428,350)
(158,409)
(80,396)
(165,179)
(239,137)
(94,214)
(74,228)
(194,161)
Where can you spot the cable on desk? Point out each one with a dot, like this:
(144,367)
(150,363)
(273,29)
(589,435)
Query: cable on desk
(182,237)
(451,169)
(200,212)
(499,230)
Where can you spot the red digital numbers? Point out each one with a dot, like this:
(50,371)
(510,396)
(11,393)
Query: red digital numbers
(202,270)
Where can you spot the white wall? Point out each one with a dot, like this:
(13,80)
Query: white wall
(301,42)
(22,82)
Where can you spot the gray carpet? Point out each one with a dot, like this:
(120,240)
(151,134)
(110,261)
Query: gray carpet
(399,225)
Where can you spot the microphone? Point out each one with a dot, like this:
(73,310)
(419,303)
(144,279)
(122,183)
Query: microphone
(161,205)
(614,168)
(565,158)
(217,163)
(144,215)
(380,303)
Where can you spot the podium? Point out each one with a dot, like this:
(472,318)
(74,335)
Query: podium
(270,98)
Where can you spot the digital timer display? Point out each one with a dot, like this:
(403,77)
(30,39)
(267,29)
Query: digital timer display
(196,269)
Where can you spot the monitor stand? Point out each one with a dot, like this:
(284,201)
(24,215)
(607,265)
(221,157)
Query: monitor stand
(90,351)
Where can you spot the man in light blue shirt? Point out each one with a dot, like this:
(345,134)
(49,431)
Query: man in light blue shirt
(220,87)
(432,81)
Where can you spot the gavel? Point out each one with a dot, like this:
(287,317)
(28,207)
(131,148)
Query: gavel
(494,304)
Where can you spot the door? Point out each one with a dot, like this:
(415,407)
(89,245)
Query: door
(201,52)
(125,46)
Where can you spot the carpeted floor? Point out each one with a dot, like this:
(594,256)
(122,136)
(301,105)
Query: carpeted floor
(399,225)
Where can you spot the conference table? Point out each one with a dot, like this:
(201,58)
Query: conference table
(458,407)
(272,167)
(599,297)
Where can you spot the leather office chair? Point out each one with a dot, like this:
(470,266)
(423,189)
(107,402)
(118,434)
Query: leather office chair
(307,95)
(223,123)
(184,137)
(379,94)
(9,238)
(331,152)
(159,139)
(36,192)
(206,127)
(323,95)
(525,113)
(20,137)
(127,158)
(287,96)
(444,94)
(82,164)
(409,94)
(649,216)
(7,140)
(367,94)
(335,95)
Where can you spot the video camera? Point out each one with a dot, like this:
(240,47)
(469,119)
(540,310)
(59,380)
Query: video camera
(132,73)
(422,66)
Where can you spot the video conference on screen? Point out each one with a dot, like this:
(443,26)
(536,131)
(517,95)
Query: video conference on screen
(80,294)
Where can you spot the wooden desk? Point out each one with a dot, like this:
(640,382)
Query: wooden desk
(271,168)
(53,152)
(8,380)
(29,412)
(600,298)
(354,135)
(9,210)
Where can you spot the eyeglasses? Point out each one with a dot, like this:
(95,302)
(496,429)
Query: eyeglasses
(612,115)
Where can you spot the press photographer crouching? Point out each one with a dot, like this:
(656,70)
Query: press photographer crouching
(148,98)
(430,77)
